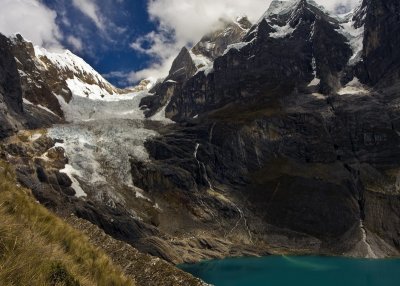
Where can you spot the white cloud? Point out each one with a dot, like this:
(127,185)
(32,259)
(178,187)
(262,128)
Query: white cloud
(33,20)
(157,70)
(91,10)
(75,42)
(331,5)
(183,22)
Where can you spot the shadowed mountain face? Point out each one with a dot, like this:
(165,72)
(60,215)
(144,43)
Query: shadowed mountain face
(381,42)
(10,89)
(297,123)
(287,141)
(199,60)
(15,115)
(291,45)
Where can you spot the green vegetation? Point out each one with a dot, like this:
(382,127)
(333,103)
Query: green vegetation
(38,248)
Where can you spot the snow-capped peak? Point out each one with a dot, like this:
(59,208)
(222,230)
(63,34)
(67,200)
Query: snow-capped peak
(80,77)
(65,60)
(278,7)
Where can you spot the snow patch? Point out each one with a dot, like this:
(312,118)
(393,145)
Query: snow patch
(35,137)
(202,62)
(238,46)
(353,87)
(316,81)
(71,173)
(318,95)
(140,195)
(281,32)
(46,109)
(92,91)
(279,8)
(160,116)
(67,61)
(25,101)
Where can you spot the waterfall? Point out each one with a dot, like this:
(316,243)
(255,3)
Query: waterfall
(211,187)
(370,252)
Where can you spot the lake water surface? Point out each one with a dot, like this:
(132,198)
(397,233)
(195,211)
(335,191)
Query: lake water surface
(299,271)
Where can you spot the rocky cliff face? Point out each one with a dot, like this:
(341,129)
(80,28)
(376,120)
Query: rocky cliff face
(295,45)
(381,38)
(293,133)
(214,44)
(14,114)
(198,60)
(10,90)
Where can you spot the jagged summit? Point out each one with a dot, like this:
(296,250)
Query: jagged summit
(300,46)
(49,77)
(69,63)
(283,9)
(198,60)
(214,44)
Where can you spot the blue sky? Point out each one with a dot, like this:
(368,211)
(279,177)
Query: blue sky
(109,50)
(126,40)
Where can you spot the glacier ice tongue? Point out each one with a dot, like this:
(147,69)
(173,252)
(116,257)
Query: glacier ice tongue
(101,139)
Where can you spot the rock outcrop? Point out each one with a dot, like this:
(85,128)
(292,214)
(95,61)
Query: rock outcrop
(381,57)
(14,114)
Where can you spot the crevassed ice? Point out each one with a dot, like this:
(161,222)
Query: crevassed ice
(355,37)
(101,139)
(118,106)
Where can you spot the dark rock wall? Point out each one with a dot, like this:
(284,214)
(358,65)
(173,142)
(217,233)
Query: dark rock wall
(10,90)
(382,38)
(268,64)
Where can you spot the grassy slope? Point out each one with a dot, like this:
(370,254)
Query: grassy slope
(38,248)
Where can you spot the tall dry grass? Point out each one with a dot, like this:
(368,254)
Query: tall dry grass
(38,248)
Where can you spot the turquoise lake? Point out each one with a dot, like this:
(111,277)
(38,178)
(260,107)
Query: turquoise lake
(299,271)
